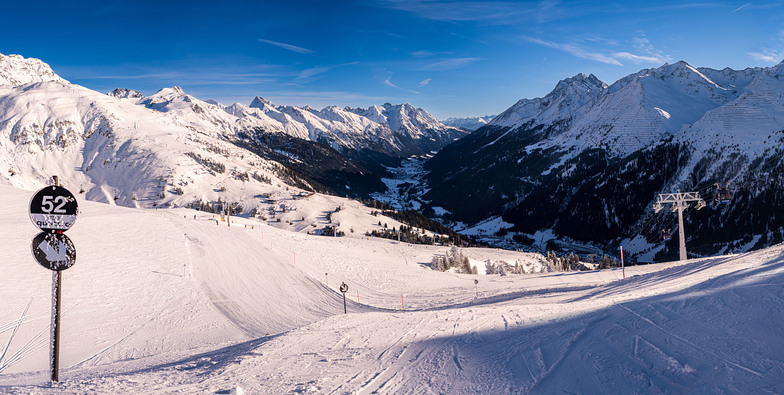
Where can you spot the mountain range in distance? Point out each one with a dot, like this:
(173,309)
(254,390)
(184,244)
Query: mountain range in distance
(469,123)
(577,169)
(582,166)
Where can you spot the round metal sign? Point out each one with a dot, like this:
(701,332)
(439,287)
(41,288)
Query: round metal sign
(54,251)
(53,209)
(343,288)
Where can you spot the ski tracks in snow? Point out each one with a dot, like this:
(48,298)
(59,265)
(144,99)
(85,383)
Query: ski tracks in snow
(691,344)
(394,360)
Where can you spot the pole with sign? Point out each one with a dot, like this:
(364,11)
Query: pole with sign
(344,289)
(53,209)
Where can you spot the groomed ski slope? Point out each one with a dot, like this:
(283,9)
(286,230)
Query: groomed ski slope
(160,302)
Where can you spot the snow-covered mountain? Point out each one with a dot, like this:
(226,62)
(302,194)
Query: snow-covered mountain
(344,149)
(123,93)
(172,148)
(565,101)
(16,70)
(469,123)
(395,130)
(112,150)
(586,161)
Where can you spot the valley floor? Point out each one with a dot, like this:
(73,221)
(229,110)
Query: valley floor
(162,302)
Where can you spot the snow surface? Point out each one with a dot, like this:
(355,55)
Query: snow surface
(161,302)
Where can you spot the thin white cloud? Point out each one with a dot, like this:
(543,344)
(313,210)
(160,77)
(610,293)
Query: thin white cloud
(767,55)
(320,99)
(574,50)
(643,45)
(192,77)
(739,8)
(388,82)
(422,54)
(499,12)
(644,52)
(638,58)
(423,83)
(313,71)
(448,64)
(428,54)
(546,11)
(289,47)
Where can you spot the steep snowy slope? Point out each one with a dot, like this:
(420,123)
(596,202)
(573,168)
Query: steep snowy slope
(645,107)
(113,151)
(562,103)
(586,162)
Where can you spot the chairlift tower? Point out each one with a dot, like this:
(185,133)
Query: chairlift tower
(679,201)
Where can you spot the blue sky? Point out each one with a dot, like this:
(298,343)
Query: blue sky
(452,58)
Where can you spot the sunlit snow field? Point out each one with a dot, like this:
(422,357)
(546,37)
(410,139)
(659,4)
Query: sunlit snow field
(162,302)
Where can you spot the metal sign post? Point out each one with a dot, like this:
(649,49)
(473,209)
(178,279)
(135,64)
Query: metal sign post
(344,289)
(57,277)
(54,209)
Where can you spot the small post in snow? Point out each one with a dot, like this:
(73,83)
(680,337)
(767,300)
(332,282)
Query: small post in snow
(623,267)
(344,289)
(476,288)
(326,279)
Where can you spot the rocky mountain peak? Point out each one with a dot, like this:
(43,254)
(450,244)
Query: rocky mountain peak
(16,70)
(578,83)
(260,102)
(123,93)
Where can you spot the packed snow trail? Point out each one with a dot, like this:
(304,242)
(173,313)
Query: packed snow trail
(162,302)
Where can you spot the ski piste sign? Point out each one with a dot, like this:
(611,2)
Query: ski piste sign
(53,209)
(54,251)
